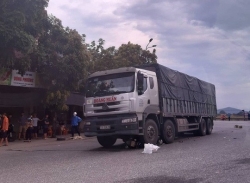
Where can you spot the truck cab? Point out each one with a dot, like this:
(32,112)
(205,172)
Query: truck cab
(117,101)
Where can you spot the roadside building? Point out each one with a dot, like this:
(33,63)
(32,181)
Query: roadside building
(20,94)
(24,94)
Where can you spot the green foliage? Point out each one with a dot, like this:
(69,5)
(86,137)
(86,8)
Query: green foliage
(55,100)
(132,55)
(33,41)
(64,56)
(127,55)
(64,60)
(21,24)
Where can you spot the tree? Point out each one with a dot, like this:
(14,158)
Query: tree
(33,41)
(63,63)
(97,53)
(127,55)
(21,25)
(132,55)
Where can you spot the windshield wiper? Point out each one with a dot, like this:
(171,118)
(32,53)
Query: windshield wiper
(116,92)
(101,92)
(105,92)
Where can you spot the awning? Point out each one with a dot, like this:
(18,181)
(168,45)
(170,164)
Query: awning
(11,96)
(76,99)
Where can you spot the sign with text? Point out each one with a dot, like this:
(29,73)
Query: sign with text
(27,80)
(103,100)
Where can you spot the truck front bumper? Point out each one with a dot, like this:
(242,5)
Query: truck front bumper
(111,125)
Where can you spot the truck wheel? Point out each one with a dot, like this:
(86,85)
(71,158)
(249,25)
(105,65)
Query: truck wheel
(107,141)
(168,132)
(209,126)
(151,133)
(203,128)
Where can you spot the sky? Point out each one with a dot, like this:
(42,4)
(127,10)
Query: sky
(206,39)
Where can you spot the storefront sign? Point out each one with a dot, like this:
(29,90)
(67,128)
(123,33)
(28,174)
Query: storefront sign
(27,80)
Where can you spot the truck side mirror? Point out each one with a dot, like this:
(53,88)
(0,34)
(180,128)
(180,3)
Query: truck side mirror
(140,81)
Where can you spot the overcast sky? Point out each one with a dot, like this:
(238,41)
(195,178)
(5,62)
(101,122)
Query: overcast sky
(206,39)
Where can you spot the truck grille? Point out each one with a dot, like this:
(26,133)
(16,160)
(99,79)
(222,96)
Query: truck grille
(109,107)
(108,103)
(105,123)
(105,110)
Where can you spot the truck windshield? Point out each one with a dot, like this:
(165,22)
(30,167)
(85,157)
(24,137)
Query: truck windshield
(110,84)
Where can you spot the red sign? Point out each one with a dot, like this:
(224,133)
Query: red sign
(105,99)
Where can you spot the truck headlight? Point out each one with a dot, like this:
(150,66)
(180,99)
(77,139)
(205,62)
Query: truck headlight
(87,123)
(89,101)
(130,120)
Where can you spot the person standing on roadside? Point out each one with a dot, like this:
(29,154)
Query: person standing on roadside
(229,116)
(29,128)
(45,126)
(22,128)
(5,127)
(10,118)
(75,120)
(35,128)
(0,121)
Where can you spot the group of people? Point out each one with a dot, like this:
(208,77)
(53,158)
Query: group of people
(28,126)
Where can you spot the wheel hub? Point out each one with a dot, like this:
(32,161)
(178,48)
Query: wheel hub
(150,132)
(169,131)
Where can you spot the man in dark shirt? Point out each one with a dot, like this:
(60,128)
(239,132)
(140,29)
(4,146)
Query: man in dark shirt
(29,128)
(46,126)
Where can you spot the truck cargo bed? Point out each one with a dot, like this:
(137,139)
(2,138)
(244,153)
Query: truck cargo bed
(182,95)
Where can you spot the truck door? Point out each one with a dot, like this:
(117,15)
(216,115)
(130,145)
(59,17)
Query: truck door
(153,91)
(143,95)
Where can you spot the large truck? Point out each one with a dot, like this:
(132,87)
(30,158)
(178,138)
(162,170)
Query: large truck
(147,103)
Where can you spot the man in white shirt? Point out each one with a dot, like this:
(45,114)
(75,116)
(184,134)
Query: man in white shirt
(35,128)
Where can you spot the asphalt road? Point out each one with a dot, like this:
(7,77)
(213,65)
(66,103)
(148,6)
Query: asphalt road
(221,157)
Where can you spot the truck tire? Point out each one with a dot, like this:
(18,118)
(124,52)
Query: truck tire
(168,132)
(209,126)
(106,141)
(203,127)
(151,132)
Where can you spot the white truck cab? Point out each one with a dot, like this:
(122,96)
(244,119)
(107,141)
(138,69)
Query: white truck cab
(116,100)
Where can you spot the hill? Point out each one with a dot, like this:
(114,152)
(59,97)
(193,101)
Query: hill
(230,110)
